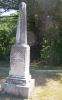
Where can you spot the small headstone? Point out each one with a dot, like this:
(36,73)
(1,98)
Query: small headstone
(19,82)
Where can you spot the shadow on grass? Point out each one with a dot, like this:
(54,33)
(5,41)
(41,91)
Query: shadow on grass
(41,78)
(3,73)
(4,96)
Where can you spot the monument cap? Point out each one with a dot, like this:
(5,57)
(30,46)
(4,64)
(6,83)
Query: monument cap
(22,4)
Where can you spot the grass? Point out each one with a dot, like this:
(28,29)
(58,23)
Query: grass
(39,65)
(48,85)
(4,63)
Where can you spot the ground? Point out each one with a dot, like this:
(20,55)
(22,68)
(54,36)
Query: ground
(48,85)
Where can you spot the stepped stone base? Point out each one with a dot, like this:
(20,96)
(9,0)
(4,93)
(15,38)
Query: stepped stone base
(19,90)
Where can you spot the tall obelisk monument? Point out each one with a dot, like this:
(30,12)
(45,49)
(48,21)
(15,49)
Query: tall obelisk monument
(20,53)
(19,82)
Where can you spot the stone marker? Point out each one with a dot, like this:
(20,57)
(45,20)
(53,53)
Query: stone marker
(19,82)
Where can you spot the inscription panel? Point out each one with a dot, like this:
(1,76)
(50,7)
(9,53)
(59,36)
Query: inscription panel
(17,61)
(17,56)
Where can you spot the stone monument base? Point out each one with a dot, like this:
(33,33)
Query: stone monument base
(15,88)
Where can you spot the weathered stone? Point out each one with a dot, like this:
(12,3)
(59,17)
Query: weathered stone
(19,90)
(20,60)
(19,82)
(21,35)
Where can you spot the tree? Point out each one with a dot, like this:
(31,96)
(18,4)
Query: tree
(52,48)
(7,35)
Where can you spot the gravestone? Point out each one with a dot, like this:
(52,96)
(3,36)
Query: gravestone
(19,82)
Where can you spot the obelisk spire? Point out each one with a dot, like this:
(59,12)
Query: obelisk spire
(21,35)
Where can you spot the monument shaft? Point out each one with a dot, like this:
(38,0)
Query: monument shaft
(21,35)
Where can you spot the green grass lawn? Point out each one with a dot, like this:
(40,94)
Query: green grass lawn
(48,85)
(39,65)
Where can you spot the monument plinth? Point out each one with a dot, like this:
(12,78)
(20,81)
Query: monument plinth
(19,82)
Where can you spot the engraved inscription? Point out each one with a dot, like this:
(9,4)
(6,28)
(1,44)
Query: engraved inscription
(17,57)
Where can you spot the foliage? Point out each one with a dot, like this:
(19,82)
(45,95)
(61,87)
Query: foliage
(7,33)
(52,47)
